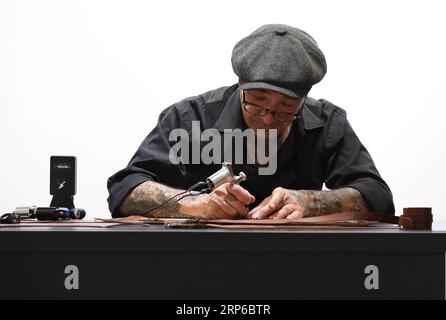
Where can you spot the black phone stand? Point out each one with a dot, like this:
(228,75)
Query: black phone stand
(63,181)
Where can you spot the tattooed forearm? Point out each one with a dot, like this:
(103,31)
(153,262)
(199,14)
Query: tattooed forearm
(319,203)
(148,195)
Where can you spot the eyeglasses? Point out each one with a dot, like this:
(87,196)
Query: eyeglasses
(261,111)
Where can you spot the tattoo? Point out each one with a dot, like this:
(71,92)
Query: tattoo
(319,203)
(147,197)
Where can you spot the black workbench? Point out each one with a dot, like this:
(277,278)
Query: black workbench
(135,262)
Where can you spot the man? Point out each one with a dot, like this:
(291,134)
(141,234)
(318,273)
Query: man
(313,144)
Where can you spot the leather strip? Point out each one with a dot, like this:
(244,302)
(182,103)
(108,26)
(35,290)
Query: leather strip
(412,218)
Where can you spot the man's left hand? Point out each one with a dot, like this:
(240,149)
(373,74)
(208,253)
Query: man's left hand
(281,204)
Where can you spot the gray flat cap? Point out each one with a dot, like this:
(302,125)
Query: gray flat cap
(280,58)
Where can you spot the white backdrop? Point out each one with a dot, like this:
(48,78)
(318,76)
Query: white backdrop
(89,78)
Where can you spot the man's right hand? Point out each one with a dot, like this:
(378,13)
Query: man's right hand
(228,201)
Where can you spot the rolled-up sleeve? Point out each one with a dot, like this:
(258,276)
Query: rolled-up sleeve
(350,165)
(150,162)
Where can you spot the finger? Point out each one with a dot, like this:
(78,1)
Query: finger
(230,203)
(272,206)
(228,211)
(240,193)
(218,213)
(283,212)
(237,205)
(214,210)
(266,200)
(231,212)
(295,215)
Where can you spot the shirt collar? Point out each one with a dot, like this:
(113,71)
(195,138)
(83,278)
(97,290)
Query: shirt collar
(231,117)
(310,120)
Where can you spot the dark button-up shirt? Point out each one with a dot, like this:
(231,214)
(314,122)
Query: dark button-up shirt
(321,148)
